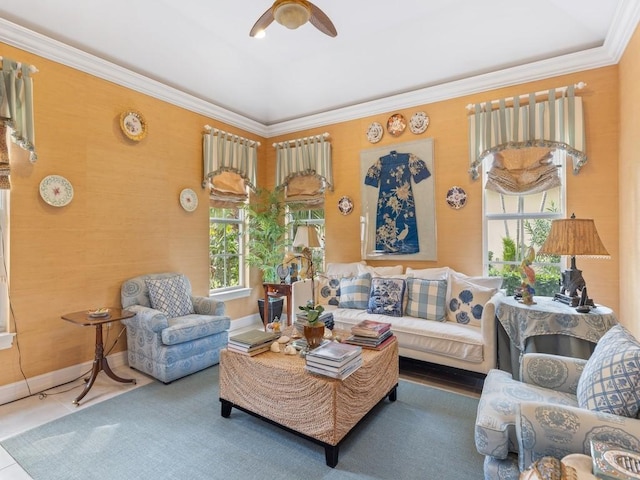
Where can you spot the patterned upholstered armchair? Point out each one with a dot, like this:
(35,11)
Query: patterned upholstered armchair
(173,333)
(559,406)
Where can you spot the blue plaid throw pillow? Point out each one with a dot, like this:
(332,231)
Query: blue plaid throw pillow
(610,381)
(170,295)
(354,291)
(427,299)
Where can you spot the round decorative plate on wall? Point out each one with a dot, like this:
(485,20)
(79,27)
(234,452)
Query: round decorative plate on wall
(396,125)
(188,200)
(56,190)
(133,125)
(456,198)
(345,205)
(418,123)
(375,132)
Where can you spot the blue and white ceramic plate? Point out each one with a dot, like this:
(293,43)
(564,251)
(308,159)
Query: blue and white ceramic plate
(456,197)
(56,190)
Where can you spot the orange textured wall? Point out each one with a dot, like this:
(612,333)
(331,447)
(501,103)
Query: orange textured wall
(629,175)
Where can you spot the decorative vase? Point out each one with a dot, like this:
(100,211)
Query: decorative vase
(313,334)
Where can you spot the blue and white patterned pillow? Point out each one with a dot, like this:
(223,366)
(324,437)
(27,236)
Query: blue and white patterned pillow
(170,295)
(354,291)
(610,381)
(467,301)
(386,297)
(427,299)
(327,290)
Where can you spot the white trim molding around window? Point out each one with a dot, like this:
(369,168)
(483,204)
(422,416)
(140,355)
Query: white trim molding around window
(6,338)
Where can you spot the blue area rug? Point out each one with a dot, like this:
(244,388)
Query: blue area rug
(176,432)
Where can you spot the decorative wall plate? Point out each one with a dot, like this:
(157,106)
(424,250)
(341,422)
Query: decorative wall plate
(418,123)
(456,197)
(345,205)
(375,132)
(56,190)
(396,125)
(133,125)
(188,200)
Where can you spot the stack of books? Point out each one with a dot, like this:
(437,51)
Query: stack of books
(252,342)
(371,334)
(335,360)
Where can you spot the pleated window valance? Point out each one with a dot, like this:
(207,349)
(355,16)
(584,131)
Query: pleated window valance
(543,126)
(304,170)
(16,113)
(230,163)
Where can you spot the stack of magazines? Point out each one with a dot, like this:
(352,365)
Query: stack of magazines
(335,360)
(252,342)
(371,334)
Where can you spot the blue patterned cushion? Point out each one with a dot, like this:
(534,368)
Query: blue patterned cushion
(467,301)
(170,295)
(327,290)
(386,296)
(427,299)
(354,292)
(610,381)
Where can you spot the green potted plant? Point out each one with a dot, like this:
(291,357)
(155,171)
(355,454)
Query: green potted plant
(267,240)
(313,328)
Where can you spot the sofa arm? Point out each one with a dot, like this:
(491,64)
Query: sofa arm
(147,319)
(554,372)
(208,306)
(488,328)
(545,429)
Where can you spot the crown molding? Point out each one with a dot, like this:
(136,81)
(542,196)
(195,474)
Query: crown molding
(622,28)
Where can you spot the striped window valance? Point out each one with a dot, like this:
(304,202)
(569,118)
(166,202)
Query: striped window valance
(304,169)
(553,122)
(230,163)
(16,112)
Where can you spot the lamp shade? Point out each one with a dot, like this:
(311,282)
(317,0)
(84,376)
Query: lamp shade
(306,236)
(292,14)
(573,236)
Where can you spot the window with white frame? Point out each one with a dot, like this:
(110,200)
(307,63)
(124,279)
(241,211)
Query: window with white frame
(226,259)
(314,217)
(4,261)
(514,222)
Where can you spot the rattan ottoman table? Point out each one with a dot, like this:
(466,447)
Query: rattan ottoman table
(276,388)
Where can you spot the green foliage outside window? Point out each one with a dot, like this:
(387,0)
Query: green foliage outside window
(224,248)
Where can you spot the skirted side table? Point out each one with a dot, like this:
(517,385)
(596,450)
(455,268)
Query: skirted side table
(547,326)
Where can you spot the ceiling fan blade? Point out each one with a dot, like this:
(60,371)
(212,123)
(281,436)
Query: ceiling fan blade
(263,22)
(320,20)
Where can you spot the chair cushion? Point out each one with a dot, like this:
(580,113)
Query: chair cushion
(427,299)
(386,296)
(610,381)
(192,327)
(354,292)
(170,295)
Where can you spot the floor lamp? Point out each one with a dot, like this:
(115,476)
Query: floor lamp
(573,236)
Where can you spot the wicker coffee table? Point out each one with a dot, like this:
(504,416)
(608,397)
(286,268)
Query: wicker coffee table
(276,388)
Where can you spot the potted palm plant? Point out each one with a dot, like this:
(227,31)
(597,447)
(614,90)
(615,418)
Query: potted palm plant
(267,241)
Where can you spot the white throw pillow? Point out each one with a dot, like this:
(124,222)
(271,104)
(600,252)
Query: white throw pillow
(342,270)
(440,273)
(380,271)
(467,301)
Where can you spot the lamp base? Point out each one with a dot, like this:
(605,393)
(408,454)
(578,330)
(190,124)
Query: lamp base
(572,301)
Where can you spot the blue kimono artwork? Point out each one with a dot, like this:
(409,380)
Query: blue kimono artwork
(396,225)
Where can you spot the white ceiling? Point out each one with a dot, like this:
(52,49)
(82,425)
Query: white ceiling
(384,50)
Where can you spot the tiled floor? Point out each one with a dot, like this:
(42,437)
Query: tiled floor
(21,415)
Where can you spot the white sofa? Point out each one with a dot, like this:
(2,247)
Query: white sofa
(464,346)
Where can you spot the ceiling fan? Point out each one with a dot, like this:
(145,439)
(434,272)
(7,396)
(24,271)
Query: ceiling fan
(292,14)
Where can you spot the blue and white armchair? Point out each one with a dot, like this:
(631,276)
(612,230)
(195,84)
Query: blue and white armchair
(173,333)
(559,406)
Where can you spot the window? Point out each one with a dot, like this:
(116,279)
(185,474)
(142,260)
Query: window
(512,223)
(309,217)
(226,261)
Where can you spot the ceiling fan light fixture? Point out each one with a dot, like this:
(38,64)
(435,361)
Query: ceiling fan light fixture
(292,14)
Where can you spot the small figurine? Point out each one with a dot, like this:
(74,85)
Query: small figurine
(528,277)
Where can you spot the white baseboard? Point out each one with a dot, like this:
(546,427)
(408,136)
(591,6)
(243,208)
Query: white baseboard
(17,390)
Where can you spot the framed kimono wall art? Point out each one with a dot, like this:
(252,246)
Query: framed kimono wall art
(398,202)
